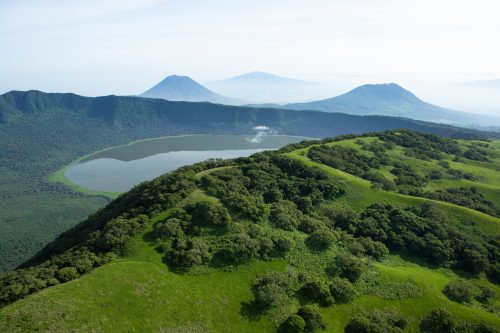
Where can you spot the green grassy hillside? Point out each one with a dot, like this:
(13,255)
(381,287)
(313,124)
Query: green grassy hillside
(254,244)
(40,133)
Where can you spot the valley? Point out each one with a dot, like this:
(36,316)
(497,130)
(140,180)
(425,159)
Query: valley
(320,166)
(41,133)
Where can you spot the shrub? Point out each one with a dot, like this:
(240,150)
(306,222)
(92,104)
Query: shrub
(67,274)
(377,322)
(266,247)
(374,249)
(272,290)
(321,239)
(309,224)
(282,245)
(438,321)
(171,228)
(342,290)
(241,248)
(294,324)
(485,294)
(344,218)
(483,328)
(208,214)
(285,215)
(345,266)
(461,291)
(312,318)
(316,293)
(188,253)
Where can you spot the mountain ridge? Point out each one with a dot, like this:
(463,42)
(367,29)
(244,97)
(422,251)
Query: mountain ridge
(390,99)
(43,132)
(184,88)
(262,87)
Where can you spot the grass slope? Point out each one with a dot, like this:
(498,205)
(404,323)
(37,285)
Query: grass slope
(138,293)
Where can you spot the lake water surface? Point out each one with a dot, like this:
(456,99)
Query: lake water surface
(120,168)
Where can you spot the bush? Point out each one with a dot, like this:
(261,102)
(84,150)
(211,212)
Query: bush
(208,214)
(282,245)
(345,266)
(241,248)
(188,253)
(272,290)
(294,324)
(438,321)
(374,249)
(67,274)
(483,328)
(485,295)
(312,318)
(316,293)
(310,225)
(342,290)
(285,215)
(320,240)
(461,291)
(344,218)
(171,228)
(377,322)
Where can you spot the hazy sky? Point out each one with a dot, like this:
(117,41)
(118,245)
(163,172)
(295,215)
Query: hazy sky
(98,47)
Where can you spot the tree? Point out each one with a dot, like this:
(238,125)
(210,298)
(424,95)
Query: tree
(377,322)
(317,293)
(438,321)
(171,228)
(321,239)
(272,290)
(342,290)
(461,291)
(188,253)
(312,318)
(345,266)
(294,324)
(66,274)
(285,215)
(209,214)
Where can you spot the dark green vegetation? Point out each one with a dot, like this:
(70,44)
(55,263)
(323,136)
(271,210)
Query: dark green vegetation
(41,133)
(381,162)
(276,242)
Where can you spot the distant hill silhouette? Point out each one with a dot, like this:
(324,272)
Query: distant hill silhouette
(391,100)
(262,87)
(183,88)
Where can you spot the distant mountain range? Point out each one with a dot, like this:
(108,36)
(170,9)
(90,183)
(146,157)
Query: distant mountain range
(370,99)
(262,87)
(183,88)
(391,100)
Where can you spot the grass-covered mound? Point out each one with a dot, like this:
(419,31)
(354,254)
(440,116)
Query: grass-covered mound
(279,242)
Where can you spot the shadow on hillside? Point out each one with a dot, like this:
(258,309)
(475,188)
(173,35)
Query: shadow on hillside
(250,311)
(423,263)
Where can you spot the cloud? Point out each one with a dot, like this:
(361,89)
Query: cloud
(262,131)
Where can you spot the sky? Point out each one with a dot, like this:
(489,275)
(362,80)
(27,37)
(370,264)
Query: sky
(123,47)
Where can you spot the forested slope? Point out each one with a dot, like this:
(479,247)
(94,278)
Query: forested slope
(296,240)
(40,133)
